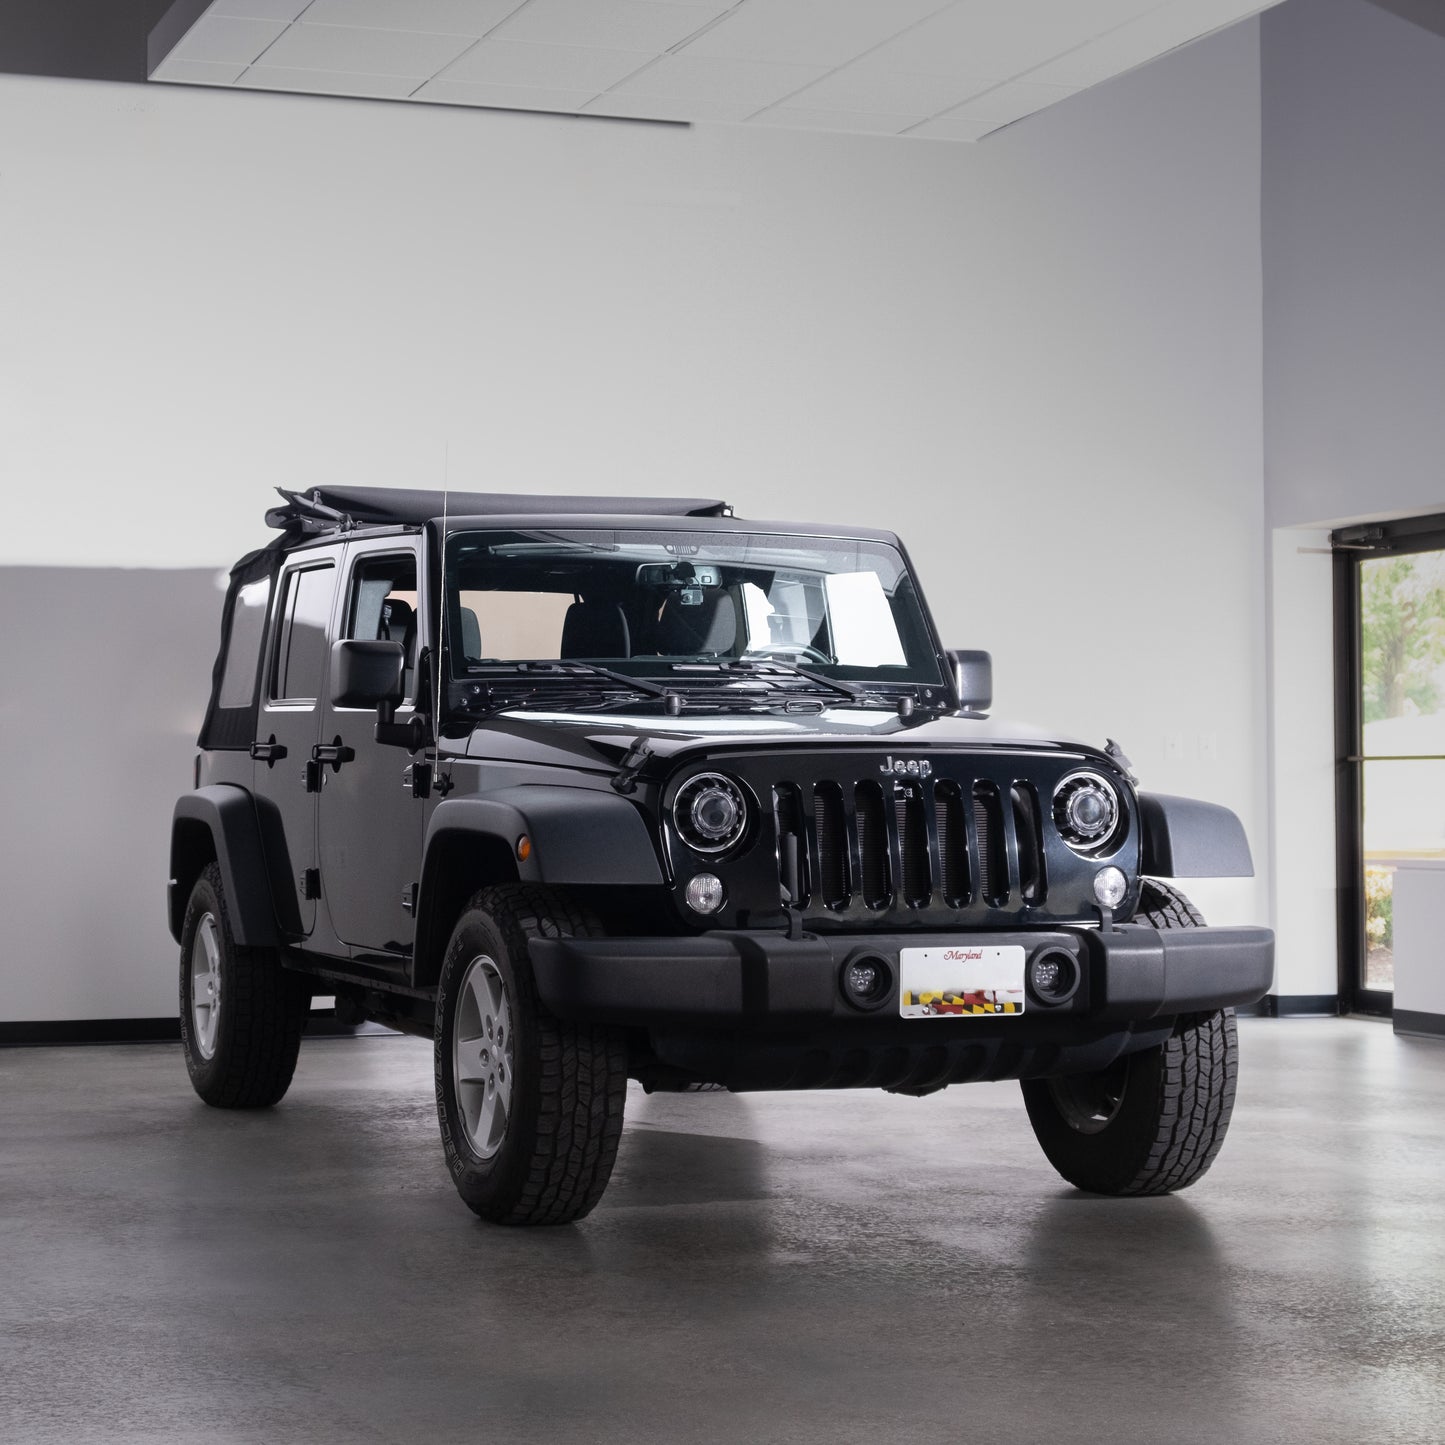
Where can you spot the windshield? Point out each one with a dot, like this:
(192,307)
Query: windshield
(671,605)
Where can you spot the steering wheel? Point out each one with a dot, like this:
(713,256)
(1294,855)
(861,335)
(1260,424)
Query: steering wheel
(796,649)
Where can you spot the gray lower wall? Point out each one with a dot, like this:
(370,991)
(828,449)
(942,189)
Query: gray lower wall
(107,672)
(1353,222)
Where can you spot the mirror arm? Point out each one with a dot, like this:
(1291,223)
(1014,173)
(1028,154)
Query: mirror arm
(411,735)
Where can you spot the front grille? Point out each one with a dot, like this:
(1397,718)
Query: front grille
(909,845)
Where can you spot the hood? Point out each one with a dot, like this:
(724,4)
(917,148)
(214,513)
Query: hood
(572,739)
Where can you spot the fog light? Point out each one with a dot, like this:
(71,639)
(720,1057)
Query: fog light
(866,981)
(704,893)
(1053,976)
(1110,886)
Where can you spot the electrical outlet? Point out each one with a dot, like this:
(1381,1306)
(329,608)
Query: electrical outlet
(1173,745)
(1209,747)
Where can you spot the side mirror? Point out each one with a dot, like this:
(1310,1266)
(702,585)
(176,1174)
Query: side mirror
(972,677)
(366,674)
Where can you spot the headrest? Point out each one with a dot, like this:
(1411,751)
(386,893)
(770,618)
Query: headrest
(398,618)
(710,627)
(595,629)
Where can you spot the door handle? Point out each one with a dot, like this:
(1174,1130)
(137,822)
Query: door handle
(334,752)
(270,752)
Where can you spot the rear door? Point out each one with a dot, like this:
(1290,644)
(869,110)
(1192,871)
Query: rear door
(371,817)
(287,729)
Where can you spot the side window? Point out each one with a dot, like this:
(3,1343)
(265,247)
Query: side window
(300,665)
(382,606)
(243,644)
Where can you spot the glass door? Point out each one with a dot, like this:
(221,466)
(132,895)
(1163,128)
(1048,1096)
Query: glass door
(1391,723)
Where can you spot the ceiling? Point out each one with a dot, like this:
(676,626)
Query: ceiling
(952,70)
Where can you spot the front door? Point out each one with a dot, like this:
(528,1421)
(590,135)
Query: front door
(371,816)
(287,729)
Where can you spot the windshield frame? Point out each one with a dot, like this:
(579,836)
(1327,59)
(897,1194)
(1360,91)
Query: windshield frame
(926,664)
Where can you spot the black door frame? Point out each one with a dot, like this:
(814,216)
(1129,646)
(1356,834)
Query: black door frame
(1350,545)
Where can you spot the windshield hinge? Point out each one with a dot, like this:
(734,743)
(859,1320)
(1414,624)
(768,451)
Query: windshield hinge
(633,762)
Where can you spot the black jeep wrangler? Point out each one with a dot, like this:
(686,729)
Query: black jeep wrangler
(589,789)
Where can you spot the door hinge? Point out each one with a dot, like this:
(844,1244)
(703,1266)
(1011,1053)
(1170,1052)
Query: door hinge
(310,881)
(408,898)
(417,778)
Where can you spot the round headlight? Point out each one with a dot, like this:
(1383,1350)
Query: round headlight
(1086,811)
(710,812)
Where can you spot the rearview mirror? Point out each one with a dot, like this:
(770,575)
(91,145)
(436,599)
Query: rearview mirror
(972,677)
(366,674)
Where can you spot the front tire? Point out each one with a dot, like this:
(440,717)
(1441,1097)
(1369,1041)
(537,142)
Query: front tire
(1153,1121)
(530,1107)
(241,1012)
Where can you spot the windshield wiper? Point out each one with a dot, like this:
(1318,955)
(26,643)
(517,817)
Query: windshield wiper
(791,669)
(575,672)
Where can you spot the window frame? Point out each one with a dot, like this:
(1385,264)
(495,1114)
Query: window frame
(1350,546)
(346,630)
(288,579)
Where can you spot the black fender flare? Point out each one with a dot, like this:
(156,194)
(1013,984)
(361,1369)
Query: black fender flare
(219,822)
(575,836)
(1184,838)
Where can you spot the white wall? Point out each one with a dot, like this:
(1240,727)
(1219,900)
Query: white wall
(1037,358)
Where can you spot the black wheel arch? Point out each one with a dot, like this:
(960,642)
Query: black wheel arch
(576,837)
(217,824)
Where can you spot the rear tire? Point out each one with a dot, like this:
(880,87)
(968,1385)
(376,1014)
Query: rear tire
(241,1012)
(530,1107)
(1153,1121)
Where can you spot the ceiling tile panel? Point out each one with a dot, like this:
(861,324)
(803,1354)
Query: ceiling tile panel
(839,120)
(435,17)
(682,77)
(286,10)
(1160,31)
(650,25)
(223,40)
(1003,37)
(871,91)
(367,52)
(321,82)
(932,69)
(196,72)
(522,62)
(1011,102)
(657,107)
(953,129)
(809,32)
(507,97)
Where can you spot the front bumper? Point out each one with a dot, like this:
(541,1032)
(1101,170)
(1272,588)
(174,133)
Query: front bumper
(764,981)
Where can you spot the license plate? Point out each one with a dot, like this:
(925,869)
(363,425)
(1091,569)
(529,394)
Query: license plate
(961,981)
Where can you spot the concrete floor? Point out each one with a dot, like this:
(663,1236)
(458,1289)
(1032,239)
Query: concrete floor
(828,1267)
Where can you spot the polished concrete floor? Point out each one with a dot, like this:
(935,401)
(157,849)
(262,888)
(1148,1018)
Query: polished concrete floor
(828,1267)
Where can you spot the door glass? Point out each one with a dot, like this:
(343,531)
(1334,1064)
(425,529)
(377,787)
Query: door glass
(1402,704)
(383,606)
(301,650)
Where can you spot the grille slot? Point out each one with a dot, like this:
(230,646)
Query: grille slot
(1027,830)
(913,845)
(952,844)
(872,844)
(832,832)
(992,846)
(792,845)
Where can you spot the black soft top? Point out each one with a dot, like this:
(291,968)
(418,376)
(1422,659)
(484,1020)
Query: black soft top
(329,508)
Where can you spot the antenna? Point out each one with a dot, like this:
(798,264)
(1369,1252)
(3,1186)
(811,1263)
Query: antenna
(442,583)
